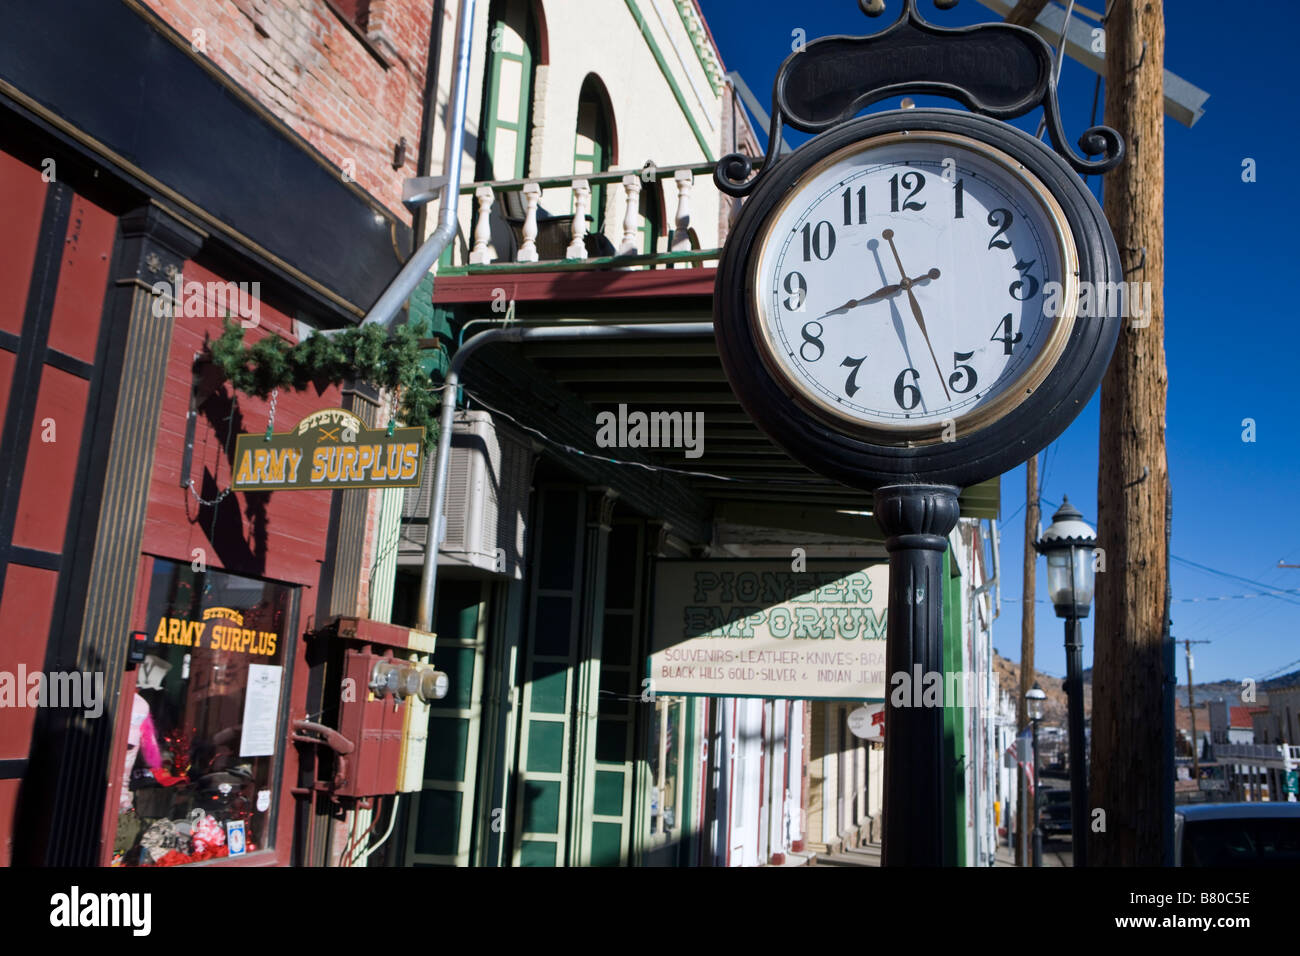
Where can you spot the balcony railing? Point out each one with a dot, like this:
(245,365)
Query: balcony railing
(1261,755)
(509,213)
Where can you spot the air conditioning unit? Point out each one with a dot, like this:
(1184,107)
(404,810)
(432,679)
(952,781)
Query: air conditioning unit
(489,478)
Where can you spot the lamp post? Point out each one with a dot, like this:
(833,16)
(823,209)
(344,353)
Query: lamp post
(1068,543)
(1034,698)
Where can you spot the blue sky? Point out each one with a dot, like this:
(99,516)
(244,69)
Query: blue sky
(1232,335)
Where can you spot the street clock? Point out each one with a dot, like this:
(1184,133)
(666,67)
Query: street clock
(898,306)
(898,299)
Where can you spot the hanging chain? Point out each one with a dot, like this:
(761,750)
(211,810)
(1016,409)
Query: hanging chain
(270,415)
(204,502)
(270,424)
(392,410)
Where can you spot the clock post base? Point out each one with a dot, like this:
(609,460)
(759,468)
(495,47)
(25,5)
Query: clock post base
(916,520)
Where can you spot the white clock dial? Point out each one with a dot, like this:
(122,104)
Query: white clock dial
(915,282)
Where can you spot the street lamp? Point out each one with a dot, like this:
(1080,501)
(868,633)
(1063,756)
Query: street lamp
(1068,543)
(1034,698)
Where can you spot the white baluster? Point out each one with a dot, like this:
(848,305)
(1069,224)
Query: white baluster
(681,241)
(481,254)
(581,199)
(528,251)
(632,217)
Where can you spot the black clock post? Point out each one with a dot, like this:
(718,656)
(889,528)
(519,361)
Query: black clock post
(999,72)
(916,520)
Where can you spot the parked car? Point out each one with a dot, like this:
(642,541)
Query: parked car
(1237,834)
(1054,813)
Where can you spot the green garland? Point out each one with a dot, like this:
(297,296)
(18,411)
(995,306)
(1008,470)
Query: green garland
(365,353)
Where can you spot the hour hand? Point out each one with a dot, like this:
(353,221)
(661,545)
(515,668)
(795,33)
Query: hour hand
(882,293)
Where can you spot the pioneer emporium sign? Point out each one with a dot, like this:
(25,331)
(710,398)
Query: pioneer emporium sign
(757,629)
(329,449)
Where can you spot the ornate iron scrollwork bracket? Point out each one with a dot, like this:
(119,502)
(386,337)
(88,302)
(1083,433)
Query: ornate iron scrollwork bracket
(995,69)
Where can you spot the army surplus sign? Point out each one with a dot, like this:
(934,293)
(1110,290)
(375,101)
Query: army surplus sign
(329,449)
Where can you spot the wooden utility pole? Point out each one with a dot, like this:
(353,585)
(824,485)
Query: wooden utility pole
(1028,591)
(1191,707)
(1128,671)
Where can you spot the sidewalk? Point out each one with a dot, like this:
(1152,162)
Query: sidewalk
(868,854)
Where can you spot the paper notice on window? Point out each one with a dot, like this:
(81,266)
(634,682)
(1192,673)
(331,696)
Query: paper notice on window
(261,710)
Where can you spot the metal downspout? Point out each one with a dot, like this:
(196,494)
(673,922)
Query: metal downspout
(417,267)
(442,454)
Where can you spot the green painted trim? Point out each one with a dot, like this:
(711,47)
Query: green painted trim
(461,647)
(690,753)
(602,147)
(586,681)
(954,720)
(668,76)
(550,547)
(522,123)
(662,174)
(500,725)
(698,39)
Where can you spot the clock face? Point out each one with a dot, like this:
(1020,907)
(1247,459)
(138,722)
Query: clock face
(914,286)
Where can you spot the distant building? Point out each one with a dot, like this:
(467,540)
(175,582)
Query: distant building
(1230,724)
(1281,723)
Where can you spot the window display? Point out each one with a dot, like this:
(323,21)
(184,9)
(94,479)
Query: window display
(665,743)
(205,733)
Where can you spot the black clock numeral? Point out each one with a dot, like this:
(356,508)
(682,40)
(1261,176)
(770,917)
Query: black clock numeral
(907,179)
(962,370)
(1006,338)
(958,194)
(1002,219)
(862,205)
(906,393)
(851,384)
(1026,282)
(814,243)
(814,339)
(797,286)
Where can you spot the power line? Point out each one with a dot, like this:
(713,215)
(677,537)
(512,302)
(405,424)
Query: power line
(1276,592)
(1186,600)
(1278,671)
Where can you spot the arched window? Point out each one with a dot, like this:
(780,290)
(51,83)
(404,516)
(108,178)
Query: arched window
(507,119)
(594,143)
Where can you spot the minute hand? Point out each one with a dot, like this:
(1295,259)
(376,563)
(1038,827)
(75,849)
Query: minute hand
(888,236)
(916,311)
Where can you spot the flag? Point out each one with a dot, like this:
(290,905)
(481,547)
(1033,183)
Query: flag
(1024,747)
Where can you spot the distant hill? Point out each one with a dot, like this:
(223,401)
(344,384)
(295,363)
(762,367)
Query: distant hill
(1054,709)
(1008,673)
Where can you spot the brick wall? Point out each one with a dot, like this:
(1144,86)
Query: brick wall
(299,59)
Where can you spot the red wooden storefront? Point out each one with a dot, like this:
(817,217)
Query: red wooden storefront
(96,513)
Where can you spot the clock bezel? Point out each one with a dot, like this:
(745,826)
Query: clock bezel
(846,451)
(1030,377)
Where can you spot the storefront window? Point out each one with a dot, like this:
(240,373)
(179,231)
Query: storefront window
(664,765)
(199,774)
